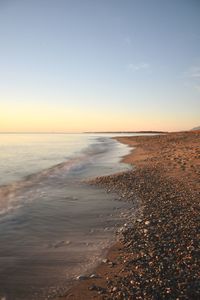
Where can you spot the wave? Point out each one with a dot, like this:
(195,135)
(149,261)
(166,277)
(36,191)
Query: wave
(12,194)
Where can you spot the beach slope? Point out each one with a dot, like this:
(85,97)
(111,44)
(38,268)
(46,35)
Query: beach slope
(157,256)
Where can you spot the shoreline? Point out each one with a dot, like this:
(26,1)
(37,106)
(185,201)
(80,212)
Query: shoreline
(156,257)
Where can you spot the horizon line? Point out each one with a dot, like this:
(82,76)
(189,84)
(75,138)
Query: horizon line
(87,132)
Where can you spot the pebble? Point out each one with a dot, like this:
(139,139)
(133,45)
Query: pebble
(94,276)
(111,263)
(160,262)
(92,288)
(82,277)
(139,220)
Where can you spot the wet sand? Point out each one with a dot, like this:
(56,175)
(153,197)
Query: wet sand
(157,256)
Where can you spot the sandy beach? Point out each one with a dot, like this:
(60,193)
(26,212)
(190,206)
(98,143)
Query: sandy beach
(156,256)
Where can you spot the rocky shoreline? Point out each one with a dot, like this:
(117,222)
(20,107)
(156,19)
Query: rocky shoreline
(158,253)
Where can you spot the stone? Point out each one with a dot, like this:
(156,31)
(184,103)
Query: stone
(82,277)
(94,276)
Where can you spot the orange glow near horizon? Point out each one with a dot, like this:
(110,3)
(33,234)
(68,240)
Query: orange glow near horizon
(46,118)
(70,72)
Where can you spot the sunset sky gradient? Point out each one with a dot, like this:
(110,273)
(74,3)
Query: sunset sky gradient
(99,65)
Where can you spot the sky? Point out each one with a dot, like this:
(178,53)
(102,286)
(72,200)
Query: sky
(99,65)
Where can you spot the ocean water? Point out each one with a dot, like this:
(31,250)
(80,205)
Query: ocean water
(53,225)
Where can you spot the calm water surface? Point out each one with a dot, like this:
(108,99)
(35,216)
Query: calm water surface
(53,226)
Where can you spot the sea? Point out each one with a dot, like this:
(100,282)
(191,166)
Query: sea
(54,225)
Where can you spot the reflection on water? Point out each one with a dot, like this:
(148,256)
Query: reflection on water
(24,154)
(57,237)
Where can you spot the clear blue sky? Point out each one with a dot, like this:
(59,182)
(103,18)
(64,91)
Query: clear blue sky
(75,65)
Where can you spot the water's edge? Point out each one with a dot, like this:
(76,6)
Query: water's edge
(59,227)
(126,216)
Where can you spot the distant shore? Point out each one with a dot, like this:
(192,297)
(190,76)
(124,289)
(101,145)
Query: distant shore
(157,254)
(124,132)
